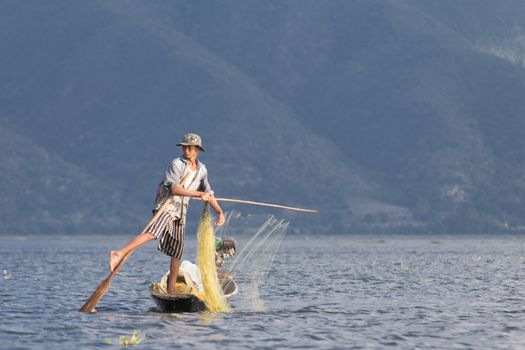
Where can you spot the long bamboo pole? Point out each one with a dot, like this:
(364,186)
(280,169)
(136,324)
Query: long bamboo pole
(265,204)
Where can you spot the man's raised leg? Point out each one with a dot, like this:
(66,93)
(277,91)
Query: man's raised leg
(115,256)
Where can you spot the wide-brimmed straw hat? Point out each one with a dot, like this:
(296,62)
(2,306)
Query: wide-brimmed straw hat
(192,140)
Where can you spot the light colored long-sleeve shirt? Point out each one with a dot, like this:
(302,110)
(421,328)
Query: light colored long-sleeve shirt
(174,175)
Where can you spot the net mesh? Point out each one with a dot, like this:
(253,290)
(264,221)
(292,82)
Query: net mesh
(213,295)
(254,262)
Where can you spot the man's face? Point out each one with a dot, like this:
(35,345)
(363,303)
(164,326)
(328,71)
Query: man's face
(190,152)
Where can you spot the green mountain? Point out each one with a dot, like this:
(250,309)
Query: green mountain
(390,116)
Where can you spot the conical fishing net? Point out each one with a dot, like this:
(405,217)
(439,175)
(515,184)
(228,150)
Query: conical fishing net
(254,262)
(213,294)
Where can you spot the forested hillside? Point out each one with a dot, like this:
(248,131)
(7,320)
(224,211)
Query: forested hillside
(388,116)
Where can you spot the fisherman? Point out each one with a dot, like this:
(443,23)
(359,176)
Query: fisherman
(185,177)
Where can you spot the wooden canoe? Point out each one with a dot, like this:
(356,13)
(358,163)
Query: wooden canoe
(187,302)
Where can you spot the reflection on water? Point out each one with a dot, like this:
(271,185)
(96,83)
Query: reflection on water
(322,292)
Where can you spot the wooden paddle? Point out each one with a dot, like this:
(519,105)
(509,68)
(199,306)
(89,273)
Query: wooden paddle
(103,287)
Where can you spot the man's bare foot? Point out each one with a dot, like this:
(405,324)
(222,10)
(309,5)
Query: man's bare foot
(114,258)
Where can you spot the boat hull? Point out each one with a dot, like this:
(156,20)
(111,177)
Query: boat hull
(178,303)
(189,302)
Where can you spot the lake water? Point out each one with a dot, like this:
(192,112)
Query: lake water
(335,292)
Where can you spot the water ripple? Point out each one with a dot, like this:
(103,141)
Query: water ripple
(332,292)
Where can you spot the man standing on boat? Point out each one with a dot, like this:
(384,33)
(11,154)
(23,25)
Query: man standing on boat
(184,178)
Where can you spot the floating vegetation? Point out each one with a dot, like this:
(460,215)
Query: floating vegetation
(410,267)
(136,338)
(7,275)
